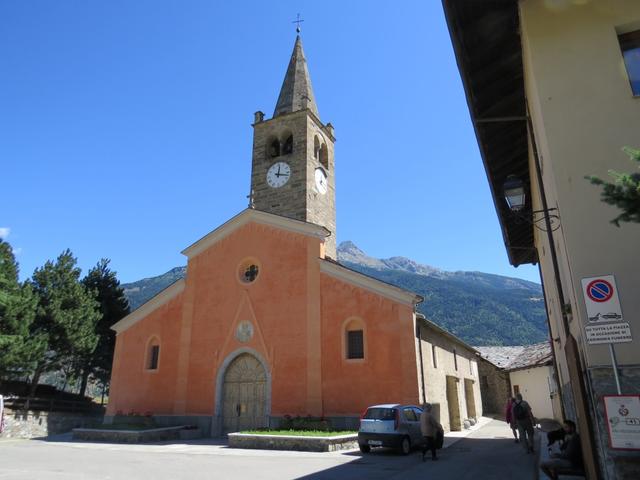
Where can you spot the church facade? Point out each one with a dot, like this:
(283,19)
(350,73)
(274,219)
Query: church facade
(266,322)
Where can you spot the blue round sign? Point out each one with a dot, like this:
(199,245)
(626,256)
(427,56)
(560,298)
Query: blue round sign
(600,290)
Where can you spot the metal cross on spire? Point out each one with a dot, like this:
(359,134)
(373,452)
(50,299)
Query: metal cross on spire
(298,20)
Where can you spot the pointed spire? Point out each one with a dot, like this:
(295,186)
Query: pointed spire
(296,92)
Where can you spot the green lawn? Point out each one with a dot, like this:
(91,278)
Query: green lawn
(301,433)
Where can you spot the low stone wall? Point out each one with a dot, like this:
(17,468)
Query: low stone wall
(33,424)
(127,436)
(285,442)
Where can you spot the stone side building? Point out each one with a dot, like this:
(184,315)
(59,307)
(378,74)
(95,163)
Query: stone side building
(529,371)
(449,376)
(494,385)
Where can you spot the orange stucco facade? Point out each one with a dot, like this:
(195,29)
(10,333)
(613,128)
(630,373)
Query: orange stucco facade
(298,308)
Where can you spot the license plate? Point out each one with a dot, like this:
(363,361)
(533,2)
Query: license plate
(375,442)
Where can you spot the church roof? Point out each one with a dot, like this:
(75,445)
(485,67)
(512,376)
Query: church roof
(257,216)
(296,92)
(348,275)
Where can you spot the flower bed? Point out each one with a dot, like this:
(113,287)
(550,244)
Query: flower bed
(127,435)
(295,440)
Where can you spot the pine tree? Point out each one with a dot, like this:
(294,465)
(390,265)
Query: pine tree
(624,192)
(66,317)
(17,312)
(104,285)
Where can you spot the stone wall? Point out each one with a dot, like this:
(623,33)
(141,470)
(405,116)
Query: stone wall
(494,385)
(33,424)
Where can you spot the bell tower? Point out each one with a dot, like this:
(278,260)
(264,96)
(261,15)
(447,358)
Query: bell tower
(292,171)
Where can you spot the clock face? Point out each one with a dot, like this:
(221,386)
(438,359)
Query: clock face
(321,181)
(278,174)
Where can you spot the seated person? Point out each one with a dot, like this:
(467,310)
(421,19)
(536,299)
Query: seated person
(570,456)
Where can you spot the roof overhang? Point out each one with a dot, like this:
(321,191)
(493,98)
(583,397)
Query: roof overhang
(422,320)
(366,282)
(486,41)
(146,308)
(255,216)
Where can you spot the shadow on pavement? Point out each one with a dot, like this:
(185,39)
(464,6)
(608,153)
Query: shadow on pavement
(468,459)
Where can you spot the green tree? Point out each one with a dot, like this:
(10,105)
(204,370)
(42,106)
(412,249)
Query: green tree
(105,286)
(66,317)
(17,312)
(624,192)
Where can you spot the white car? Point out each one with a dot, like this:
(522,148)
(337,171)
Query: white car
(390,425)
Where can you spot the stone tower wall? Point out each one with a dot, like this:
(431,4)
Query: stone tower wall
(298,198)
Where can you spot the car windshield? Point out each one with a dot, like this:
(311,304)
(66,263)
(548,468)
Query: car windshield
(380,414)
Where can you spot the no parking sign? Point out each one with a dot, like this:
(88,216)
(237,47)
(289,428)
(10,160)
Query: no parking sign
(601,299)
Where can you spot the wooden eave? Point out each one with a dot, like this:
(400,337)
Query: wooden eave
(486,41)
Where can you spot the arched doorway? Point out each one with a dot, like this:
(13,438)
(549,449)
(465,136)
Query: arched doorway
(244,395)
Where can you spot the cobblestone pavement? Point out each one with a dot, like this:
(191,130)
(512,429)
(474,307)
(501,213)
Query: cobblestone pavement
(486,453)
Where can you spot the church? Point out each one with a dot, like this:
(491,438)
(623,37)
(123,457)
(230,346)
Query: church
(266,322)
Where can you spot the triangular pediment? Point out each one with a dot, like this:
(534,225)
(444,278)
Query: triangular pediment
(255,216)
(246,329)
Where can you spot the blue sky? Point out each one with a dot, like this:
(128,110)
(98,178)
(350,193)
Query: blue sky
(125,128)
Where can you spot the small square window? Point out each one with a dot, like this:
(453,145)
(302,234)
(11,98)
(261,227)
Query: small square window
(630,46)
(355,344)
(154,356)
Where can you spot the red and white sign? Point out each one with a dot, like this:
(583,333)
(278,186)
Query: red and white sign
(601,299)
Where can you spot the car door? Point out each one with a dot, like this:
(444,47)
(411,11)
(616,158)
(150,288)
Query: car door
(418,412)
(413,425)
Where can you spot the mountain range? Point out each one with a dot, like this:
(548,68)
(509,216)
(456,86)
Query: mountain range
(480,308)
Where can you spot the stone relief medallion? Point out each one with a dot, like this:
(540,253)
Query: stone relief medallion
(244,331)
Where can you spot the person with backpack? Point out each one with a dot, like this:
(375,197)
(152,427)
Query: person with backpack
(521,412)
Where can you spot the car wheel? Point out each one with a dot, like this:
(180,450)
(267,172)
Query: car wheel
(405,446)
(364,448)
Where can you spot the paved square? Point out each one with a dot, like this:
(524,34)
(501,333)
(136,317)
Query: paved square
(486,453)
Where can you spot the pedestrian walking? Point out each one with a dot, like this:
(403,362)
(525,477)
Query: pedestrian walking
(521,412)
(430,429)
(508,417)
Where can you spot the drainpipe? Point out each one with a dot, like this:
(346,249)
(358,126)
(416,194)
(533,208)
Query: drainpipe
(419,335)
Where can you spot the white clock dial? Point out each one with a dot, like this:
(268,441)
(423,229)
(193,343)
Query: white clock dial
(278,174)
(321,181)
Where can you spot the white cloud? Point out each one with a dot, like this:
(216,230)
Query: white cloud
(4,232)
(17,251)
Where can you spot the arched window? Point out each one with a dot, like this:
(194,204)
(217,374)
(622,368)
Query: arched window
(316,147)
(274,148)
(288,145)
(152,360)
(354,339)
(324,156)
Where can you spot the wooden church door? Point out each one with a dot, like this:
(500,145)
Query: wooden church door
(243,390)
